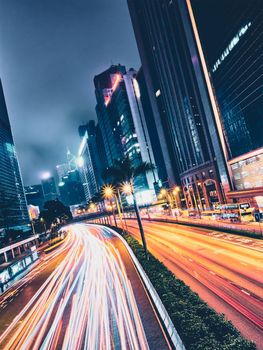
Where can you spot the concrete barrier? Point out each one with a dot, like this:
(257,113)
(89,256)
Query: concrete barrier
(174,336)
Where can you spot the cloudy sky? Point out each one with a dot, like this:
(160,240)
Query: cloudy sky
(50,51)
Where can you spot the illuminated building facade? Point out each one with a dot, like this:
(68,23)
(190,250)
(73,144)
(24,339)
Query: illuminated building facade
(13,207)
(71,188)
(235,59)
(62,170)
(122,121)
(35,196)
(175,78)
(49,188)
(151,127)
(91,158)
(104,88)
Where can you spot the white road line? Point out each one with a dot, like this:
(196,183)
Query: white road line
(245,292)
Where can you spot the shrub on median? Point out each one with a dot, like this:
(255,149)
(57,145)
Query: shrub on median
(198,325)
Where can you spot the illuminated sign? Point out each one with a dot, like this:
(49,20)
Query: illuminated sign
(244,206)
(143,197)
(231,45)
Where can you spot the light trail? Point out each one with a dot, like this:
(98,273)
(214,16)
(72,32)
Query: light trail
(87,302)
(223,273)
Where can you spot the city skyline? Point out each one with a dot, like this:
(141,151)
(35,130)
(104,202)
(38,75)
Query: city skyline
(137,220)
(47,64)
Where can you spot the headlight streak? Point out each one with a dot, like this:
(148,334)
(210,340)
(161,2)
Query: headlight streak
(86,303)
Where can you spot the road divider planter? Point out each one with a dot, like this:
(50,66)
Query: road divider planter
(174,336)
(189,321)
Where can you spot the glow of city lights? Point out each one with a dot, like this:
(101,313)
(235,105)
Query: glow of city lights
(91,290)
(144,197)
(158,93)
(108,191)
(136,88)
(163,192)
(231,45)
(176,190)
(46,175)
(83,143)
(92,207)
(80,162)
(116,81)
(126,188)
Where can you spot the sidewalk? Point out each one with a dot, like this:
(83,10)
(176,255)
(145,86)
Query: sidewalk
(254,228)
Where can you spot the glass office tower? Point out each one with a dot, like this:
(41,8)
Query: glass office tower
(13,208)
(174,74)
(121,120)
(234,53)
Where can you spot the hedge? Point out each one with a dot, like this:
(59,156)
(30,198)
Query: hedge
(199,326)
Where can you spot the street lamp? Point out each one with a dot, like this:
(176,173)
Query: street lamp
(176,191)
(108,192)
(128,189)
(43,222)
(165,194)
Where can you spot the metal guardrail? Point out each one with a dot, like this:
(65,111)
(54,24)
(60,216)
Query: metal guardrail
(174,336)
(17,244)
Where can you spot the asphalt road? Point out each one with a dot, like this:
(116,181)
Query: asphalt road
(225,270)
(86,294)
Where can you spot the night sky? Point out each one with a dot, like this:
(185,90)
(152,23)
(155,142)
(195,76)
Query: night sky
(50,51)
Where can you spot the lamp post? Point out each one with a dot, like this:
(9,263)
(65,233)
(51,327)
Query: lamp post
(128,189)
(122,209)
(191,189)
(165,194)
(176,191)
(43,222)
(108,193)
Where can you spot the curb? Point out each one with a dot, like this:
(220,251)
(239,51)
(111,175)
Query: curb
(174,336)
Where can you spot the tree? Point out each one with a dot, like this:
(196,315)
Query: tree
(53,210)
(123,172)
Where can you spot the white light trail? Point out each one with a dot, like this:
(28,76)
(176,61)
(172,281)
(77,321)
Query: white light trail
(86,303)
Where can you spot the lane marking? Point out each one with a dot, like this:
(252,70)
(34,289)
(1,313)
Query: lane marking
(245,292)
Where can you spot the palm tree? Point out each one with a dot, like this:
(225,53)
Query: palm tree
(98,199)
(122,172)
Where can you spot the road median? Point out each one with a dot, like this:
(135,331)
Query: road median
(198,325)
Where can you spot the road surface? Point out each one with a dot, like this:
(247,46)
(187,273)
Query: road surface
(225,270)
(86,294)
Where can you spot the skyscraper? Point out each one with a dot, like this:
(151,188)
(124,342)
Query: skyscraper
(235,65)
(71,188)
(178,92)
(122,122)
(49,187)
(152,129)
(62,170)
(13,208)
(87,164)
(35,196)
